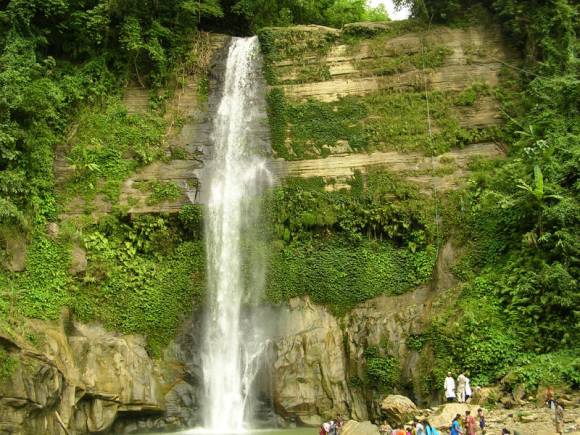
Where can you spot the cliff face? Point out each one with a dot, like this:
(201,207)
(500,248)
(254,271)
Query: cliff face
(393,72)
(87,380)
(321,365)
(82,379)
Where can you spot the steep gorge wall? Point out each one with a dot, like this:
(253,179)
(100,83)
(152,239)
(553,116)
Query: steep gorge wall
(319,357)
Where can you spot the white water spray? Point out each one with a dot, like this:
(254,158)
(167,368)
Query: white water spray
(236,176)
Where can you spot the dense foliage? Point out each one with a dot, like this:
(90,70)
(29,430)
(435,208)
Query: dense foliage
(520,218)
(516,316)
(262,13)
(56,56)
(142,275)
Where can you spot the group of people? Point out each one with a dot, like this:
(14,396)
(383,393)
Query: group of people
(468,425)
(419,428)
(463,391)
(332,427)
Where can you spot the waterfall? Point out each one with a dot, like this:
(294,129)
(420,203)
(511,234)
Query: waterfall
(236,174)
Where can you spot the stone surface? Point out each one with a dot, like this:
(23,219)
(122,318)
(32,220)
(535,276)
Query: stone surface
(443,417)
(342,166)
(310,372)
(85,378)
(353,427)
(398,409)
(476,55)
(316,355)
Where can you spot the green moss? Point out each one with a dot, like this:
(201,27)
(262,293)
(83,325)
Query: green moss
(356,31)
(384,63)
(143,276)
(8,365)
(382,371)
(161,191)
(42,290)
(338,274)
(309,129)
(110,144)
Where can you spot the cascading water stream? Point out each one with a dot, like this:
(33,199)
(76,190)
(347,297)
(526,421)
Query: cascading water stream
(237,175)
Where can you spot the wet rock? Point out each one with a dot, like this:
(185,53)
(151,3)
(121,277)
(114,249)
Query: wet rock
(398,409)
(83,380)
(310,373)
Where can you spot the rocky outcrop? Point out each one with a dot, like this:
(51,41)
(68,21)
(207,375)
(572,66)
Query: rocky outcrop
(319,361)
(397,409)
(353,427)
(416,167)
(310,368)
(83,380)
(318,356)
(15,249)
(476,54)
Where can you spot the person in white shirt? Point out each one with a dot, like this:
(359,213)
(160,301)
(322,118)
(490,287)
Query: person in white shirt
(449,387)
(468,392)
(461,381)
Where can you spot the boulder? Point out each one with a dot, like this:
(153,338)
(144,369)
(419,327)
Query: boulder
(310,420)
(353,427)
(398,409)
(443,416)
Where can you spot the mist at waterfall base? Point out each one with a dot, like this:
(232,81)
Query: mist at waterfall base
(236,176)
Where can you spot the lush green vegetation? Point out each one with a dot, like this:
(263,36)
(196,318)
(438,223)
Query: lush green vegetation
(58,56)
(344,247)
(340,274)
(311,129)
(515,316)
(263,13)
(382,371)
(517,313)
(109,145)
(142,276)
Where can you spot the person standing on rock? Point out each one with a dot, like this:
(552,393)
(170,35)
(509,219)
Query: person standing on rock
(429,430)
(461,381)
(470,424)
(468,392)
(481,421)
(550,397)
(449,387)
(455,426)
(559,418)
